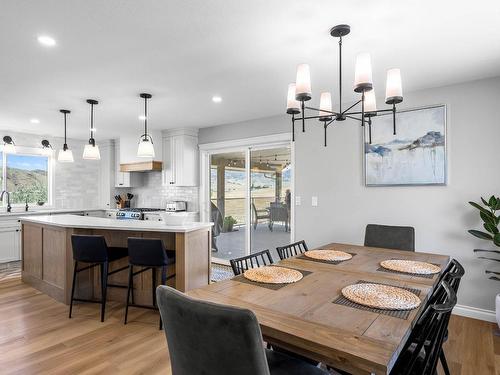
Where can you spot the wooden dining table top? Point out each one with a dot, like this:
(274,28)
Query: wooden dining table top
(302,317)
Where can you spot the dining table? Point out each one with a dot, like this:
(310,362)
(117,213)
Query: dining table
(311,318)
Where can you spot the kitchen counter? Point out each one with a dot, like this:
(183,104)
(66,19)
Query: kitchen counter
(86,222)
(48,211)
(47,255)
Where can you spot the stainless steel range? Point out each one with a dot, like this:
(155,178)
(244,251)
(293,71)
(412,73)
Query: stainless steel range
(134,213)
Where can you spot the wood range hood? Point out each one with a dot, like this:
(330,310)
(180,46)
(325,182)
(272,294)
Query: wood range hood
(142,166)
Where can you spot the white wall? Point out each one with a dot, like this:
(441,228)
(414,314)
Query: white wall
(440,214)
(76,185)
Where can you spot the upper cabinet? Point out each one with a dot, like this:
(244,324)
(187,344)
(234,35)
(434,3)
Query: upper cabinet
(124,179)
(180,157)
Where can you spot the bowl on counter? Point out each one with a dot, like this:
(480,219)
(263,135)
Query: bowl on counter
(176,218)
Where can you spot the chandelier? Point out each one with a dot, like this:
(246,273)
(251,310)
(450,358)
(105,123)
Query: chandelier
(300,92)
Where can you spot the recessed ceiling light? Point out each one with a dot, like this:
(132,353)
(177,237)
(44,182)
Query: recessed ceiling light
(46,40)
(216,99)
(35,121)
(142,117)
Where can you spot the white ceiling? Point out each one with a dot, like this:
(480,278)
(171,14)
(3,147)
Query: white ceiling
(184,52)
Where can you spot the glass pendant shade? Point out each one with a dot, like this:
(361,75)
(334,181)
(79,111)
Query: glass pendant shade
(9,148)
(363,73)
(91,152)
(292,104)
(325,104)
(370,102)
(65,156)
(303,83)
(393,87)
(145,149)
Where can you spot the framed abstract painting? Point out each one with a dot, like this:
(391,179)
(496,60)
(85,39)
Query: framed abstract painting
(416,155)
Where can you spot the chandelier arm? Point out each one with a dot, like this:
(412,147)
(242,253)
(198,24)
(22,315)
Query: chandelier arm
(352,106)
(322,110)
(380,112)
(325,126)
(303,119)
(369,130)
(293,127)
(394,118)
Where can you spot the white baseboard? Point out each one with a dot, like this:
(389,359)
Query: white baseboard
(475,313)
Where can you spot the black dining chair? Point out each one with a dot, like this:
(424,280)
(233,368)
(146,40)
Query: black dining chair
(291,250)
(94,250)
(452,275)
(390,237)
(148,254)
(213,339)
(240,265)
(421,352)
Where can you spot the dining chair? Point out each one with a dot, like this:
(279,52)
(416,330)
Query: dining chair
(260,214)
(390,237)
(421,352)
(213,339)
(452,275)
(240,265)
(291,250)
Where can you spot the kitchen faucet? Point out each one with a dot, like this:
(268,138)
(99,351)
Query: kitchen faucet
(9,208)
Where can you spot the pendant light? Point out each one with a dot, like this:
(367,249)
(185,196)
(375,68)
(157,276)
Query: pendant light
(146,148)
(65,155)
(91,151)
(9,147)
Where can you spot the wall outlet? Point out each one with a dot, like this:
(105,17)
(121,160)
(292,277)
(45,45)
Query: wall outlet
(297,200)
(314,201)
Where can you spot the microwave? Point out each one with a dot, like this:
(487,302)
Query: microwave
(176,206)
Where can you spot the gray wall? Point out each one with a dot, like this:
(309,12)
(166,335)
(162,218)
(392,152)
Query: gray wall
(440,214)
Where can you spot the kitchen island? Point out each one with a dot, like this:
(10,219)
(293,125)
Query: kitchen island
(47,259)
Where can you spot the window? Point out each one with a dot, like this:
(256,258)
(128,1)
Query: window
(25,176)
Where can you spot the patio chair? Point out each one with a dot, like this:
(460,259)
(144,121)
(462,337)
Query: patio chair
(278,212)
(260,214)
(217,219)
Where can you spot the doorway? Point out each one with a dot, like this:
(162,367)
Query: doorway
(247,193)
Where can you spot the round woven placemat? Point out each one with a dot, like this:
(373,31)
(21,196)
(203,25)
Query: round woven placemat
(410,266)
(330,255)
(273,275)
(379,296)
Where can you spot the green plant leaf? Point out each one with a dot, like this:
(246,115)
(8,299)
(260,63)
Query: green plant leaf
(488,219)
(481,235)
(496,239)
(492,201)
(497,206)
(482,209)
(490,228)
(485,202)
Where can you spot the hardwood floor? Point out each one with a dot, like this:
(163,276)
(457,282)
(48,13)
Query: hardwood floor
(36,337)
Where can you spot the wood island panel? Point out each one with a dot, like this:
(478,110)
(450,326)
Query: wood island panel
(48,262)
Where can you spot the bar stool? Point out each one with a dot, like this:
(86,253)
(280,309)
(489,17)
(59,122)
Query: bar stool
(94,250)
(149,254)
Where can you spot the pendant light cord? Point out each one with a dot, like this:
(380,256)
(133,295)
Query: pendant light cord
(91,120)
(145,118)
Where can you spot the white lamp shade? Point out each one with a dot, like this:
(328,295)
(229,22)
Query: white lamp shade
(303,83)
(292,104)
(393,87)
(91,152)
(325,104)
(65,156)
(9,148)
(145,149)
(370,101)
(363,73)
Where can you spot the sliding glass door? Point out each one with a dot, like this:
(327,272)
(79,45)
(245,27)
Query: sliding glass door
(250,194)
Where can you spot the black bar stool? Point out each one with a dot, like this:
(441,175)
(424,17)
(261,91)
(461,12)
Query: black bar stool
(149,254)
(94,250)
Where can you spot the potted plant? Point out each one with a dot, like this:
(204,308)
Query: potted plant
(488,213)
(228,224)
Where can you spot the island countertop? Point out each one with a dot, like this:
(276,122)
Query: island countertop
(87,222)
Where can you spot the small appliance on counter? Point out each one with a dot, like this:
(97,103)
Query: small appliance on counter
(176,206)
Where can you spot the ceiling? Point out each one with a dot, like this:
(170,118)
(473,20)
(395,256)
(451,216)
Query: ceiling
(184,52)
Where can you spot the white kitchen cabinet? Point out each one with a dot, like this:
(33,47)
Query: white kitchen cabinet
(10,241)
(125,179)
(180,157)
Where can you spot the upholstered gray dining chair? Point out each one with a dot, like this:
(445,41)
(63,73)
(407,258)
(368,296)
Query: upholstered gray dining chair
(212,339)
(390,237)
